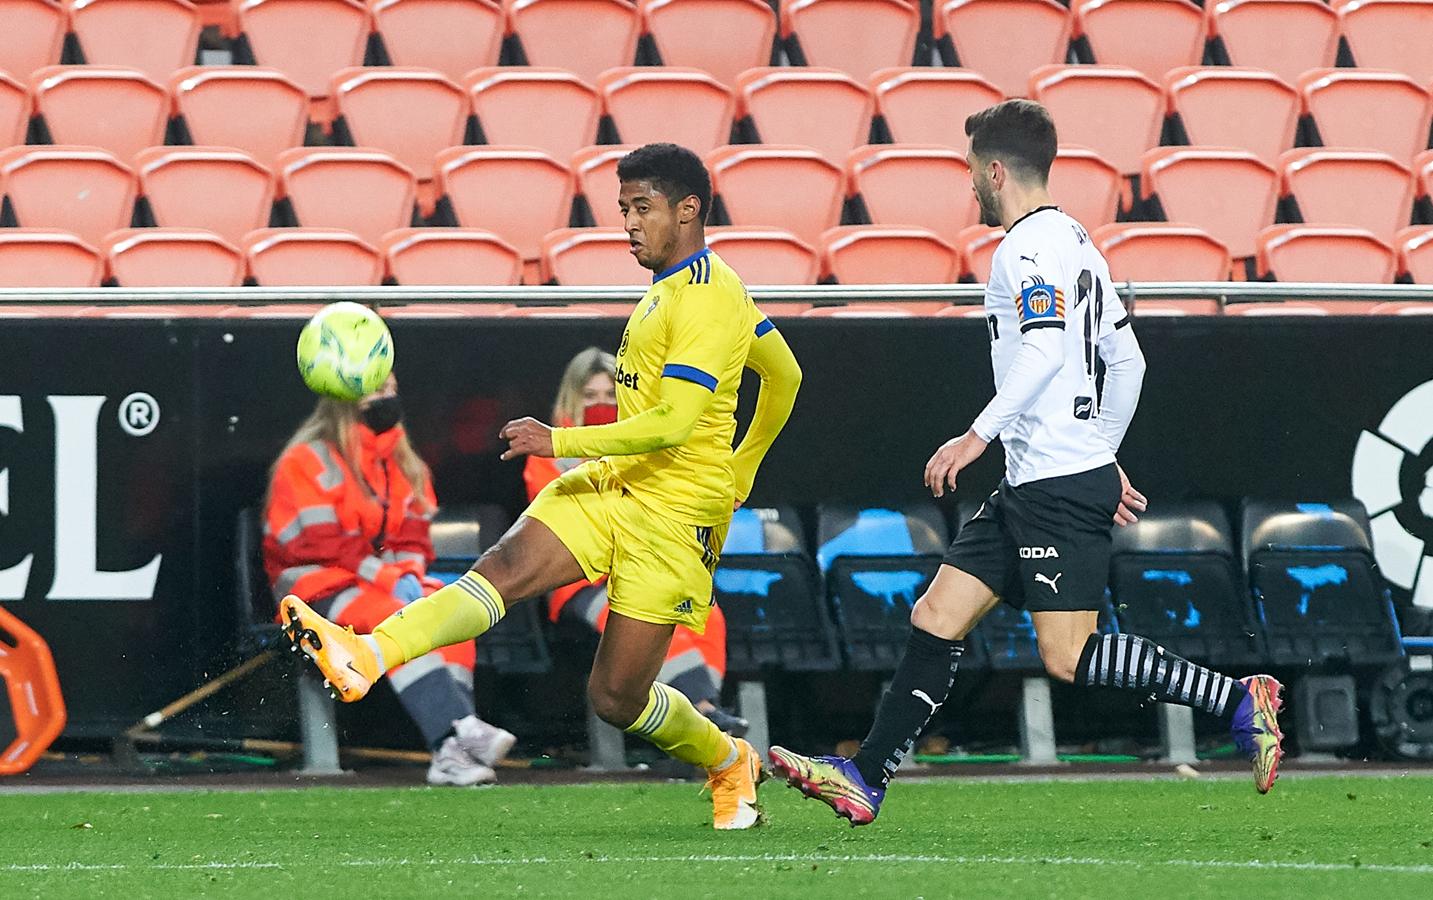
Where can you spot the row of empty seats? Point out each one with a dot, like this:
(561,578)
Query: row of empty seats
(851,254)
(1004,39)
(524,194)
(1118,112)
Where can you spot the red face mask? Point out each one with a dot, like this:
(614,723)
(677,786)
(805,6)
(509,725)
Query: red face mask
(599,414)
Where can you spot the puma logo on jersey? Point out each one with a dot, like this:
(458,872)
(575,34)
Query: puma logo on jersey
(926,697)
(1042,578)
(1039,553)
(1030,259)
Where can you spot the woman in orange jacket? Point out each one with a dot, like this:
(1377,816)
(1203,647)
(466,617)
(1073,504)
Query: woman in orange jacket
(696,663)
(346,529)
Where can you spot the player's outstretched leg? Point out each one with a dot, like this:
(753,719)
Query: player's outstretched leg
(624,693)
(1250,705)
(527,561)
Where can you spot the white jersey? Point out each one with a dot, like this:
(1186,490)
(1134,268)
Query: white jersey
(1055,323)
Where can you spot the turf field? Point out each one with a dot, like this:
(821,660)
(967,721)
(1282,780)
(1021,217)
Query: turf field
(1313,837)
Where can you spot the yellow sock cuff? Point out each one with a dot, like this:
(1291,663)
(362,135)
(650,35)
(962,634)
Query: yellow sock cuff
(673,724)
(452,614)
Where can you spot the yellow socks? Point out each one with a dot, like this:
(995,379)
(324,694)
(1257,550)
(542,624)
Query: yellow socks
(672,723)
(457,612)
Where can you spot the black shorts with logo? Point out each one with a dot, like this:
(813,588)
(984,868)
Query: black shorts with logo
(1044,545)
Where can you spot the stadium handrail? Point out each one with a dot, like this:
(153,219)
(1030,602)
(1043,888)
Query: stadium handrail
(542,295)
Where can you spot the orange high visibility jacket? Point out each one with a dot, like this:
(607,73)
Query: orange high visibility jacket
(324,533)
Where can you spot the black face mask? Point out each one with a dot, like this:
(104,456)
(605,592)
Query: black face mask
(383,413)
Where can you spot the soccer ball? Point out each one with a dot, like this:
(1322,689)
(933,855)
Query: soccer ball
(345,352)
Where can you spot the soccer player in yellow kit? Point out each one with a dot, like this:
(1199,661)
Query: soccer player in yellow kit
(651,510)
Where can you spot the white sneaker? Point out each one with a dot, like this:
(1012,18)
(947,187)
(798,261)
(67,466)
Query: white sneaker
(488,744)
(453,766)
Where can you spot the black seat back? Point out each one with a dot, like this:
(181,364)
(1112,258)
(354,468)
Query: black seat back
(877,562)
(1174,580)
(1317,592)
(767,586)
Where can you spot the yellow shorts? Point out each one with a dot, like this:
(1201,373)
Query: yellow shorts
(659,570)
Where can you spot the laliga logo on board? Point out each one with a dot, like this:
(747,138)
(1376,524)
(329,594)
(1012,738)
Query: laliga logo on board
(77,572)
(1399,498)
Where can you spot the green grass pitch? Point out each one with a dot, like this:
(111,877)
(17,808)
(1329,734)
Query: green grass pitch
(1312,837)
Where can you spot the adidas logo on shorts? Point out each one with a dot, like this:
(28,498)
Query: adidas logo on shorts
(684,608)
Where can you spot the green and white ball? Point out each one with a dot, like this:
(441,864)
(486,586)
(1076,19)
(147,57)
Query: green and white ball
(345,351)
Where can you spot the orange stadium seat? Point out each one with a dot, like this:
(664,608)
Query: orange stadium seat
(1392,308)
(307,40)
(451,36)
(450,256)
(860,311)
(1415,253)
(311,256)
(158,37)
(1151,36)
(364,191)
(683,106)
(1423,173)
(1384,111)
(1161,251)
(15,109)
(33,36)
(1229,193)
(883,254)
(259,111)
(682,30)
(1087,186)
(1286,37)
(120,110)
(820,108)
(586,37)
(858,37)
(930,106)
(1389,34)
(1005,40)
(172,257)
(1117,112)
(220,189)
(914,184)
(589,256)
(1324,253)
(83,190)
(504,99)
(757,184)
(1359,188)
(519,192)
(1153,306)
(977,249)
(47,257)
(594,175)
(1302,308)
(410,113)
(764,255)
(1220,106)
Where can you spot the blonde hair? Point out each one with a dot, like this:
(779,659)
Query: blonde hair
(583,366)
(332,422)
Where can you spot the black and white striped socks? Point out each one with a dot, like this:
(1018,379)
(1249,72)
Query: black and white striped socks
(1130,662)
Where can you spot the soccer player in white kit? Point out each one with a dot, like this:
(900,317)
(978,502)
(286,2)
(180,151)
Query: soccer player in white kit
(1068,371)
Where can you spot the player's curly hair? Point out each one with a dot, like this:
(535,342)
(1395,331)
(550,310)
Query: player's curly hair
(675,171)
(1019,133)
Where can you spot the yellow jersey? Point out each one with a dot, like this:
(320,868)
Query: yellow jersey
(696,323)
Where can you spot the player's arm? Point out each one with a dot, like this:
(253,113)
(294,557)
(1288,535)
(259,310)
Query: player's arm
(1041,354)
(1124,378)
(771,359)
(702,333)
(683,397)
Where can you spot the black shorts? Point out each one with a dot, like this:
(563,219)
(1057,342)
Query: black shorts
(1044,545)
